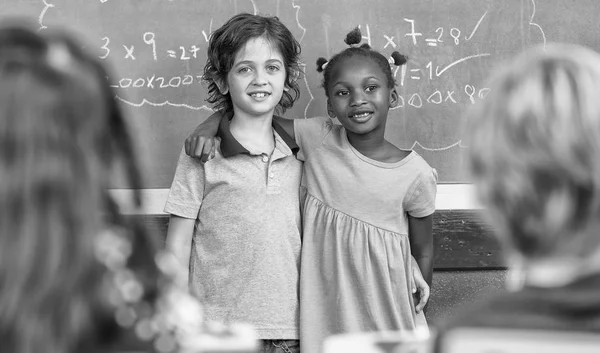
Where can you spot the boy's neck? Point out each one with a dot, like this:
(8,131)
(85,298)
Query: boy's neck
(254,133)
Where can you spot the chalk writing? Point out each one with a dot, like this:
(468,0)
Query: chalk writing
(47,6)
(157,82)
(448,56)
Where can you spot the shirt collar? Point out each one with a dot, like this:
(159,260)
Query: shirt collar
(231,147)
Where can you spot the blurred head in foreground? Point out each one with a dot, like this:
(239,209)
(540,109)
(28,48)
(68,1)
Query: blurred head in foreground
(73,272)
(534,154)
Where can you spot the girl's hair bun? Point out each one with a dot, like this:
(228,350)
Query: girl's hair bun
(320,63)
(354,37)
(399,59)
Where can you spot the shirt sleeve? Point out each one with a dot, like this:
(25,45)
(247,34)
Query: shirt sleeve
(310,133)
(187,189)
(420,201)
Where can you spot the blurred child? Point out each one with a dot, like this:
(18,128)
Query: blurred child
(235,221)
(533,153)
(75,276)
(367,205)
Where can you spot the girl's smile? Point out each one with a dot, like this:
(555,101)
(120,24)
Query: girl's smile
(360,97)
(361,117)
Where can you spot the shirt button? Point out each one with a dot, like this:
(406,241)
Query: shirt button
(265,159)
(272,175)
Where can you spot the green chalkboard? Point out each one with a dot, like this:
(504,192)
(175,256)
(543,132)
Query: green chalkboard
(156,49)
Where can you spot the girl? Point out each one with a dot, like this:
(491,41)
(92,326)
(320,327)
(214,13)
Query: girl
(235,221)
(75,275)
(367,205)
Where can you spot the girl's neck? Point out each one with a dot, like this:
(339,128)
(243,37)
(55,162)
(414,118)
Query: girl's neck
(376,147)
(368,145)
(254,133)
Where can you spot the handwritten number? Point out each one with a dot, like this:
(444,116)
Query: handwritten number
(149,39)
(105,47)
(430,67)
(441,30)
(455,33)
(183,56)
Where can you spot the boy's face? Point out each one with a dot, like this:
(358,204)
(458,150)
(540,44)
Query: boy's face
(257,78)
(359,96)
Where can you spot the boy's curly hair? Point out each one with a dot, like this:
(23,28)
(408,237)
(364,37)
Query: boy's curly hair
(226,41)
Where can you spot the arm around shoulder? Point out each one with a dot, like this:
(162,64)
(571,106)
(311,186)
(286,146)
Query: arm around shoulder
(201,142)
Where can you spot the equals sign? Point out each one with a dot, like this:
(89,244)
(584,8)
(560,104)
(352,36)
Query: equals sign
(171,53)
(413,76)
(432,42)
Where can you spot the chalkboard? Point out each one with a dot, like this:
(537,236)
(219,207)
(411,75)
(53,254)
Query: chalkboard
(156,49)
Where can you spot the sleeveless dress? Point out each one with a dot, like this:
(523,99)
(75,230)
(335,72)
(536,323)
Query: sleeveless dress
(355,260)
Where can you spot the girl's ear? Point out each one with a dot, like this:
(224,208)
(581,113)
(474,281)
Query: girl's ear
(330,111)
(393,98)
(222,85)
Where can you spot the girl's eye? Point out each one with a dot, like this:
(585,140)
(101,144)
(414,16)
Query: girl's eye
(273,68)
(244,70)
(371,88)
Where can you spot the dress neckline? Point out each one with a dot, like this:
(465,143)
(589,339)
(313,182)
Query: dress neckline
(388,165)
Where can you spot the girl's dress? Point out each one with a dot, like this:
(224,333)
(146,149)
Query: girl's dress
(355,262)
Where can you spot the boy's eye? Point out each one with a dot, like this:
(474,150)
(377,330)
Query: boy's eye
(341,93)
(371,88)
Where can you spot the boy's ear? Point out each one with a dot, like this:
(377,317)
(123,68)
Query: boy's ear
(330,111)
(222,85)
(295,74)
(393,98)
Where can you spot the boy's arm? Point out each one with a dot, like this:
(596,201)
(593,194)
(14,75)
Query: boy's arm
(420,234)
(201,142)
(179,243)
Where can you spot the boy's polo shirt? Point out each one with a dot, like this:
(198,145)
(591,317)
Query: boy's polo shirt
(244,262)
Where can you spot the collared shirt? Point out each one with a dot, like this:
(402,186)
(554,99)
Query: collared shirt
(244,263)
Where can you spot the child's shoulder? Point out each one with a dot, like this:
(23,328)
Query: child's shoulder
(417,163)
(392,154)
(317,122)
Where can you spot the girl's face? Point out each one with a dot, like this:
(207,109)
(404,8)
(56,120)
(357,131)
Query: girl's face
(359,96)
(257,78)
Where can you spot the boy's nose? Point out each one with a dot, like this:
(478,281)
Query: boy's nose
(259,78)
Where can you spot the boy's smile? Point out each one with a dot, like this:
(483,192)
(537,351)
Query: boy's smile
(257,78)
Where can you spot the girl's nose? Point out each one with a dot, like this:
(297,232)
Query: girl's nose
(357,99)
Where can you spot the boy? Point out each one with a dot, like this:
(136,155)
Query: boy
(235,220)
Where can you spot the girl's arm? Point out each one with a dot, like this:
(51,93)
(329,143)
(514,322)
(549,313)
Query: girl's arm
(420,235)
(419,287)
(179,243)
(201,144)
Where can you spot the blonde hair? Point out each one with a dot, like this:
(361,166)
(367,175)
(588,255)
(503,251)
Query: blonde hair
(535,151)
